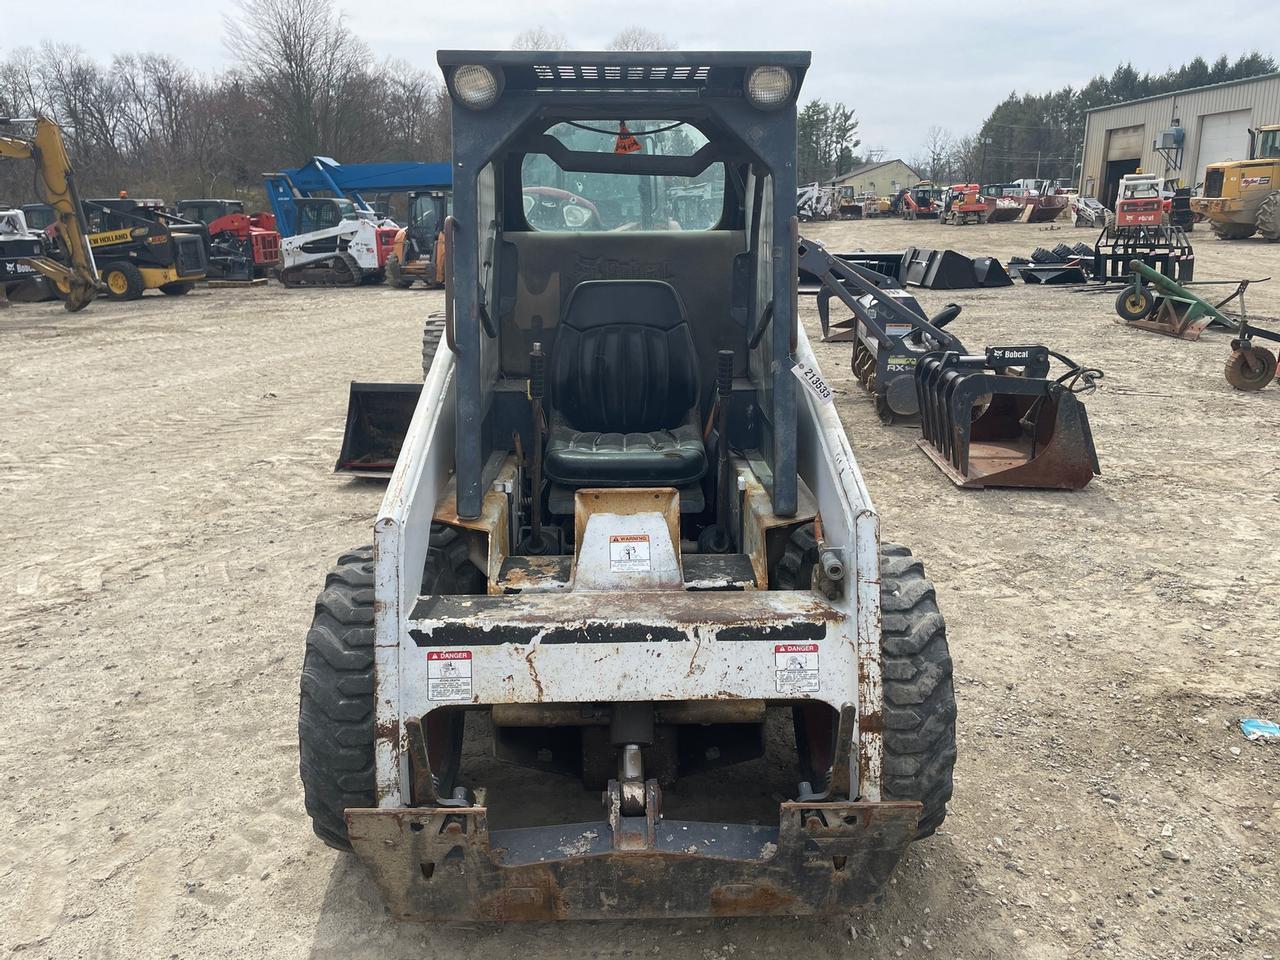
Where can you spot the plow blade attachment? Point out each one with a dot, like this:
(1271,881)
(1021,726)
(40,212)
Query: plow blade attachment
(993,429)
(378,416)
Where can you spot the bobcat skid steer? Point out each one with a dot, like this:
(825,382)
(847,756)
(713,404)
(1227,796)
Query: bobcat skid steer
(626,542)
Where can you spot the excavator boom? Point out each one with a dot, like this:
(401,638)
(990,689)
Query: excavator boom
(77,279)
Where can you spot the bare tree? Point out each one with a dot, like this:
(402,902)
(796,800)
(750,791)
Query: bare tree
(638,38)
(938,146)
(539,38)
(306,65)
(148,124)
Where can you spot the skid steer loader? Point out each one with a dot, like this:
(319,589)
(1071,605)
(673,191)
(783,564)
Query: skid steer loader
(626,535)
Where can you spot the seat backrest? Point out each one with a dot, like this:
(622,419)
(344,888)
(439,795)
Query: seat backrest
(624,359)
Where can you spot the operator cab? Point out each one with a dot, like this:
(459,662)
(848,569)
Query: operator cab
(324,213)
(207,211)
(1268,144)
(627,246)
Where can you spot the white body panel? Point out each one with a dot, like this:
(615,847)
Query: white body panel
(689,662)
(362,243)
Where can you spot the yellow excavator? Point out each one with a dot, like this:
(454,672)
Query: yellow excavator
(75,278)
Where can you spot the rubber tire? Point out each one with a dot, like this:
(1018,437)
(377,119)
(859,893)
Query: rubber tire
(1268,218)
(394,277)
(432,334)
(1240,377)
(1128,310)
(336,703)
(919,695)
(1232,231)
(177,289)
(134,284)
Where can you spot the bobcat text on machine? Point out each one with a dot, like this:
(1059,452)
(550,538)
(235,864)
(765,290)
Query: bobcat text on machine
(327,241)
(626,528)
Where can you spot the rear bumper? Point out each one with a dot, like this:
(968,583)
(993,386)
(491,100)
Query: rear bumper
(1218,205)
(443,864)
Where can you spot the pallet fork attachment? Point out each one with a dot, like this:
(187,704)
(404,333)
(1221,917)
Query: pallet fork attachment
(986,425)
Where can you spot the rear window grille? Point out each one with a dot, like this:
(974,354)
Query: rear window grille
(1213,183)
(580,74)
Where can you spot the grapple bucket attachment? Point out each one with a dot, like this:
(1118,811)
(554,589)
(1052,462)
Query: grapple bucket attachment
(378,416)
(988,427)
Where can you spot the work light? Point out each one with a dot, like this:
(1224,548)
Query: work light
(769,87)
(477,87)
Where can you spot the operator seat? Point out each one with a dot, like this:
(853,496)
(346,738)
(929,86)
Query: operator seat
(624,389)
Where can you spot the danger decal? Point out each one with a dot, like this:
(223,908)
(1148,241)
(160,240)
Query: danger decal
(449,675)
(796,667)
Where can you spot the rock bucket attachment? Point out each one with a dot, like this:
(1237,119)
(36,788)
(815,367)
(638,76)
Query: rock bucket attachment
(985,426)
(949,270)
(378,416)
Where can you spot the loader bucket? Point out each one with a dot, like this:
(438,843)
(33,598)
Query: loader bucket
(987,428)
(990,272)
(941,270)
(378,416)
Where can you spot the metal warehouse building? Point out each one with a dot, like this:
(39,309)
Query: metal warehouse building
(1175,134)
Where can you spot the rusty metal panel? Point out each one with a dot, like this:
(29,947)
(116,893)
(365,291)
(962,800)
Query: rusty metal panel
(443,864)
(400,536)
(851,526)
(661,646)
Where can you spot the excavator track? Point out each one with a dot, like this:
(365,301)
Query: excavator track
(339,270)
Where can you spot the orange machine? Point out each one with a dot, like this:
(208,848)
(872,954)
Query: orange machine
(965,204)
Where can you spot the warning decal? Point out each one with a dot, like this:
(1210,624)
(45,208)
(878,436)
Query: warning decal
(797,667)
(448,674)
(629,553)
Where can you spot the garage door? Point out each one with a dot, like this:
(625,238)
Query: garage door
(1125,143)
(1223,136)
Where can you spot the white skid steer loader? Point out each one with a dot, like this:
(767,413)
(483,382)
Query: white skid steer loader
(626,538)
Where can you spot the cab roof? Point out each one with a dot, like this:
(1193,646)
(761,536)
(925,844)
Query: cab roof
(707,73)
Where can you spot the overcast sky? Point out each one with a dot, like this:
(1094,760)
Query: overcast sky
(903,67)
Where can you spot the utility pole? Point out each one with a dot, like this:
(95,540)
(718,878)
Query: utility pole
(982,164)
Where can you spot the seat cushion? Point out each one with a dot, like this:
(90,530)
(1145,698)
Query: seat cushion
(662,458)
(624,360)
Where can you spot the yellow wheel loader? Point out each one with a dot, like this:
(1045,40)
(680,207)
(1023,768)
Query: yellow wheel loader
(74,276)
(1242,197)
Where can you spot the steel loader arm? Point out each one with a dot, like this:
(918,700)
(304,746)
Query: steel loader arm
(77,280)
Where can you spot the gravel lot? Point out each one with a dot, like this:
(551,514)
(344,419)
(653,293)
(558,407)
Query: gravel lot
(168,514)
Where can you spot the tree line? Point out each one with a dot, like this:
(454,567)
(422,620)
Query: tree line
(300,84)
(1027,132)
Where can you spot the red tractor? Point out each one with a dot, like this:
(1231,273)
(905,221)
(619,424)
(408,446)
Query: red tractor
(917,203)
(241,246)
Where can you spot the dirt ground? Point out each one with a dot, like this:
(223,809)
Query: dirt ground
(168,513)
